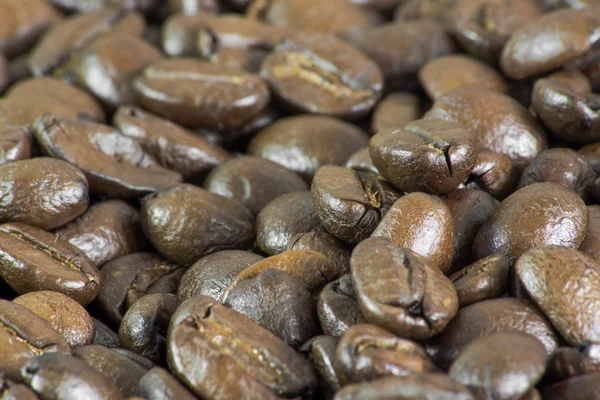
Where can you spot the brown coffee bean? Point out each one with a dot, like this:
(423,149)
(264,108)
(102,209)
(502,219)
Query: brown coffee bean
(159,384)
(486,278)
(436,10)
(305,143)
(32,260)
(320,350)
(592,153)
(15,391)
(444,74)
(220,339)
(200,94)
(500,123)
(15,143)
(580,387)
(569,362)
(486,317)
(105,336)
(179,34)
(574,79)
(173,146)
(64,315)
(565,285)
(323,243)
(494,173)
(337,307)
(367,352)
(210,275)
(423,224)
(335,78)
(361,161)
(569,36)
(538,214)
(395,110)
(42,192)
(591,244)
(114,164)
(503,365)
(428,155)
(401,291)
(179,222)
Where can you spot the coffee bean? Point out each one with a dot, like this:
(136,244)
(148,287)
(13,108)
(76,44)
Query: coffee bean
(179,36)
(592,153)
(361,161)
(494,173)
(323,243)
(320,350)
(159,384)
(104,335)
(437,10)
(192,7)
(568,362)
(395,110)
(11,390)
(15,143)
(581,387)
(486,278)
(337,307)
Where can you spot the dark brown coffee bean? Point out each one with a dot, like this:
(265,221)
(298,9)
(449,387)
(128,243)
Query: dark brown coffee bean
(538,214)
(569,362)
(400,49)
(569,35)
(253,181)
(200,94)
(305,143)
(494,173)
(337,307)
(159,384)
(428,155)
(24,335)
(361,161)
(42,192)
(107,230)
(180,223)
(15,391)
(486,278)
(127,279)
(279,221)
(503,365)
(320,350)
(395,110)
(210,275)
(367,352)
(105,336)
(410,387)
(123,371)
(172,145)
(219,339)
(64,315)
(278,302)
(179,34)
(486,317)
(444,74)
(323,243)
(62,377)
(32,260)
(565,285)
(335,78)
(423,224)
(499,123)
(578,388)
(401,291)
(114,164)
(143,328)
(469,209)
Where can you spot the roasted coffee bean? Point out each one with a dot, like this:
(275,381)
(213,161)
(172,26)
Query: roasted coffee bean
(592,153)
(395,110)
(367,352)
(538,214)
(494,173)
(335,78)
(115,165)
(503,365)
(173,146)
(24,335)
(423,224)
(179,34)
(12,390)
(591,243)
(123,371)
(580,387)
(564,283)
(107,230)
(62,377)
(320,350)
(323,243)
(32,260)
(569,362)
(400,49)
(159,384)
(428,155)
(499,122)
(361,161)
(212,274)
(201,94)
(410,387)
(305,143)
(486,278)
(469,209)
(574,79)
(253,181)
(143,328)
(337,307)
(486,317)
(444,74)
(105,336)
(219,339)
(569,36)
(129,278)
(15,144)
(179,222)
(280,220)
(278,302)
(64,315)
(42,192)
(401,291)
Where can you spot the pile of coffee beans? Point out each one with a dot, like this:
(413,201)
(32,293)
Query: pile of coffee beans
(300,199)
